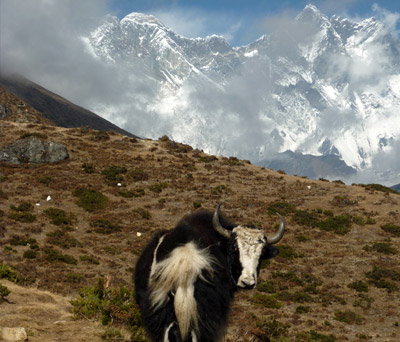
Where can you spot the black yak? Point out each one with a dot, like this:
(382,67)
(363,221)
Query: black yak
(186,277)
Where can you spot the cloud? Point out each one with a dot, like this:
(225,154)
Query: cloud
(390,19)
(385,170)
(42,40)
(336,6)
(196,22)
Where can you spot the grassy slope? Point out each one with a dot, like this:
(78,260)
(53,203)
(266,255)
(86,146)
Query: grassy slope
(314,273)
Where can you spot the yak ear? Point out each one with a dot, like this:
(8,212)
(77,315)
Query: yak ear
(270,252)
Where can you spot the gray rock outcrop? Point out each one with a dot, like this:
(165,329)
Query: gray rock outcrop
(33,150)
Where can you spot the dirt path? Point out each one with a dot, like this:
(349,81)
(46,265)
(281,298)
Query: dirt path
(45,316)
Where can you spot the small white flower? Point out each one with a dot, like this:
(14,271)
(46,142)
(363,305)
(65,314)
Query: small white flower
(48,198)
(139,234)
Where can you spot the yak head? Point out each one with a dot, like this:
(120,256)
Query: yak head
(247,247)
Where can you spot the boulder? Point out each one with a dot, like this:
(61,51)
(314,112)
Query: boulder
(13,334)
(33,150)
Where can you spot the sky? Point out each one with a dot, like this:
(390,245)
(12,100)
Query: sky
(241,22)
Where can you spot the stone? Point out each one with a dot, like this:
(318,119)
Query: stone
(33,150)
(13,334)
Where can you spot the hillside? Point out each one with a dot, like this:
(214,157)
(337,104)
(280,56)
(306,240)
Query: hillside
(337,277)
(53,107)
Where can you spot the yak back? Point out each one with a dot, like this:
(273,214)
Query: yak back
(196,227)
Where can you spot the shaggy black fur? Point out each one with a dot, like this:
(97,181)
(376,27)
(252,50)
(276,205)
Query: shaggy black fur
(213,296)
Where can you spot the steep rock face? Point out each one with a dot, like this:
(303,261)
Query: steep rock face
(328,86)
(33,150)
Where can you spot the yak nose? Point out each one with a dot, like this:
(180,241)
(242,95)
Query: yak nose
(247,281)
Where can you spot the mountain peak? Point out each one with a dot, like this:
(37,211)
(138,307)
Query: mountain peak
(142,18)
(311,13)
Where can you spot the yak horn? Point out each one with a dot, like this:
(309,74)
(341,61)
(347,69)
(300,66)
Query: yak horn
(217,225)
(278,236)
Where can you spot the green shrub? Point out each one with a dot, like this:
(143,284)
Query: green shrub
(112,334)
(221,189)
(23,207)
(383,278)
(363,301)
(289,277)
(24,217)
(18,241)
(30,254)
(306,218)
(349,317)
(359,286)
(269,329)
(297,297)
(58,216)
(313,336)
(158,187)
(90,199)
(138,175)
(303,309)
(268,301)
(287,252)
(111,306)
(370,220)
(62,239)
(196,204)
(88,168)
(8,273)
(132,193)
(53,255)
(114,174)
(359,220)
(75,278)
(383,247)
(103,226)
(338,224)
(380,187)
(392,229)
(143,213)
(266,286)
(4,292)
(46,180)
(283,208)
(90,259)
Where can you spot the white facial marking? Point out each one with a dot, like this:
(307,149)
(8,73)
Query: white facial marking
(251,242)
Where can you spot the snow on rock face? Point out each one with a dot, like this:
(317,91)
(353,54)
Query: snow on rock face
(340,83)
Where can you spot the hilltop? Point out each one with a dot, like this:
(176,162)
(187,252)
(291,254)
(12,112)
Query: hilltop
(337,277)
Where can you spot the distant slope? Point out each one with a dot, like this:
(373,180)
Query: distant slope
(57,109)
(396,187)
(310,166)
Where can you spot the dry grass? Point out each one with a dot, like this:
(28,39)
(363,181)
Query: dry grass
(313,273)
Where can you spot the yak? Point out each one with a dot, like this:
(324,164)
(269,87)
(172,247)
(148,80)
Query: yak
(186,277)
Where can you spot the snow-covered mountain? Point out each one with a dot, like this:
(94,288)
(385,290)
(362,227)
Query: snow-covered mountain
(321,86)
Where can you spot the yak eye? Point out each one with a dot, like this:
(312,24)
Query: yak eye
(261,241)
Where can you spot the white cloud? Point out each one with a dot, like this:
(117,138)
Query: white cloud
(196,22)
(390,19)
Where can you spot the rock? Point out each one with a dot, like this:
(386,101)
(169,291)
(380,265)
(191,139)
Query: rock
(33,150)
(13,334)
